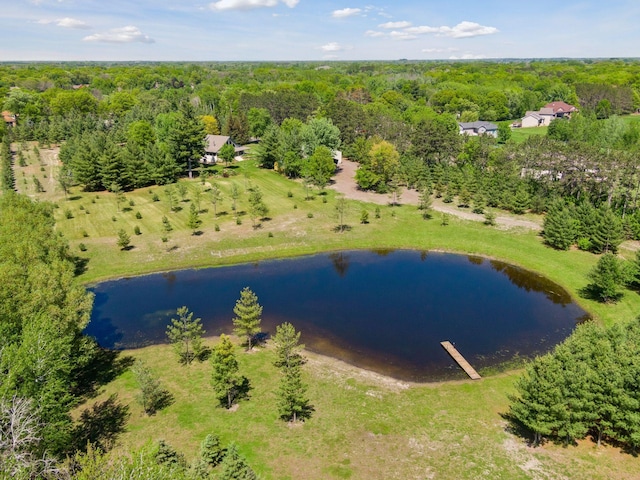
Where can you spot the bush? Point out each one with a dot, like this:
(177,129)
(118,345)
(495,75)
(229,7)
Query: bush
(584,244)
(290,194)
(138,215)
(136,230)
(155,197)
(85,234)
(309,215)
(216,227)
(82,247)
(68,214)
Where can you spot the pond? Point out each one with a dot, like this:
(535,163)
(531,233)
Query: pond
(386,311)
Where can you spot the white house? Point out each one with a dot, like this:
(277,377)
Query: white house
(478,128)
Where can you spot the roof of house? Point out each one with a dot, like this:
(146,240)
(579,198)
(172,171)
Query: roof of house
(477,125)
(215,142)
(8,116)
(535,115)
(560,107)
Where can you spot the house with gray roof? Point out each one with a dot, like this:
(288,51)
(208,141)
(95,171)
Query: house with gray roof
(213,144)
(478,128)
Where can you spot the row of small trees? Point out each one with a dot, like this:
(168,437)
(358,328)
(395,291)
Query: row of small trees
(594,229)
(589,385)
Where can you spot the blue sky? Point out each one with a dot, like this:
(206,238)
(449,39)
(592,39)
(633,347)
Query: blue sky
(220,30)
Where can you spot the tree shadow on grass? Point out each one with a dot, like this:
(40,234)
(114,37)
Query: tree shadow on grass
(594,292)
(101,424)
(79,265)
(105,366)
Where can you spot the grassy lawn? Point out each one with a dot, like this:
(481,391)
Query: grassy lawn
(519,135)
(365,425)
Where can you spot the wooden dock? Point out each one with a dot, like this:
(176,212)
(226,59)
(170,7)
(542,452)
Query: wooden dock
(466,366)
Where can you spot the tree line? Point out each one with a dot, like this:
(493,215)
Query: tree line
(588,386)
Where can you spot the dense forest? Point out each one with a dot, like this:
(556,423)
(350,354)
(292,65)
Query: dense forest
(125,126)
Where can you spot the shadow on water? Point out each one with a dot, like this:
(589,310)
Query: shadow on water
(384,310)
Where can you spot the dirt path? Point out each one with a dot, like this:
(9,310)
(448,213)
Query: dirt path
(344,182)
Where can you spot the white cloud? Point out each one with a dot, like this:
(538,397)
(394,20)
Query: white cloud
(402,35)
(468,56)
(423,30)
(373,33)
(66,23)
(128,34)
(395,25)
(332,47)
(468,29)
(439,50)
(346,12)
(461,30)
(249,4)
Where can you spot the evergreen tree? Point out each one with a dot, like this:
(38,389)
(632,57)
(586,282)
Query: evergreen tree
(248,316)
(235,467)
(216,197)
(424,203)
(194,221)
(152,396)
(288,348)
(293,405)
(186,138)
(185,333)
(607,277)
(124,240)
(211,451)
(608,231)
(257,207)
(226,381)
(559,227)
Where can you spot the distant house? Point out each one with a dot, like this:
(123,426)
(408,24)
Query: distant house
(478,128)
(9,118)
(547,113)
(213,145)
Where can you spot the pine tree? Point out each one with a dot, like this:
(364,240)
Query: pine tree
(235,467)
(152,396)
(288,348)
(559,227)
(257,207)
(226,381)
(186,138)
(185,334)
(124,240)
(292,401)
(537,396)
(608,231)
(247,320)
(211,451)
(607,277)
(291,395)
(194,221)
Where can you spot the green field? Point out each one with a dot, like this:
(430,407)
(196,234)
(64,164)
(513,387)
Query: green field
(364,425)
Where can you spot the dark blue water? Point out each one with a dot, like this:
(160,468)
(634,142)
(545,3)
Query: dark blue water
(387,310)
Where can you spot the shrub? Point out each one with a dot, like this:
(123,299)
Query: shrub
(136,230)
(138,215)
(68,214)
(82,247)
(309,215)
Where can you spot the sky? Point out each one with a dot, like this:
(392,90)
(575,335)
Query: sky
(282,30)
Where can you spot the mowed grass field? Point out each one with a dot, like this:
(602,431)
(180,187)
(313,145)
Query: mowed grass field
(365,425)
